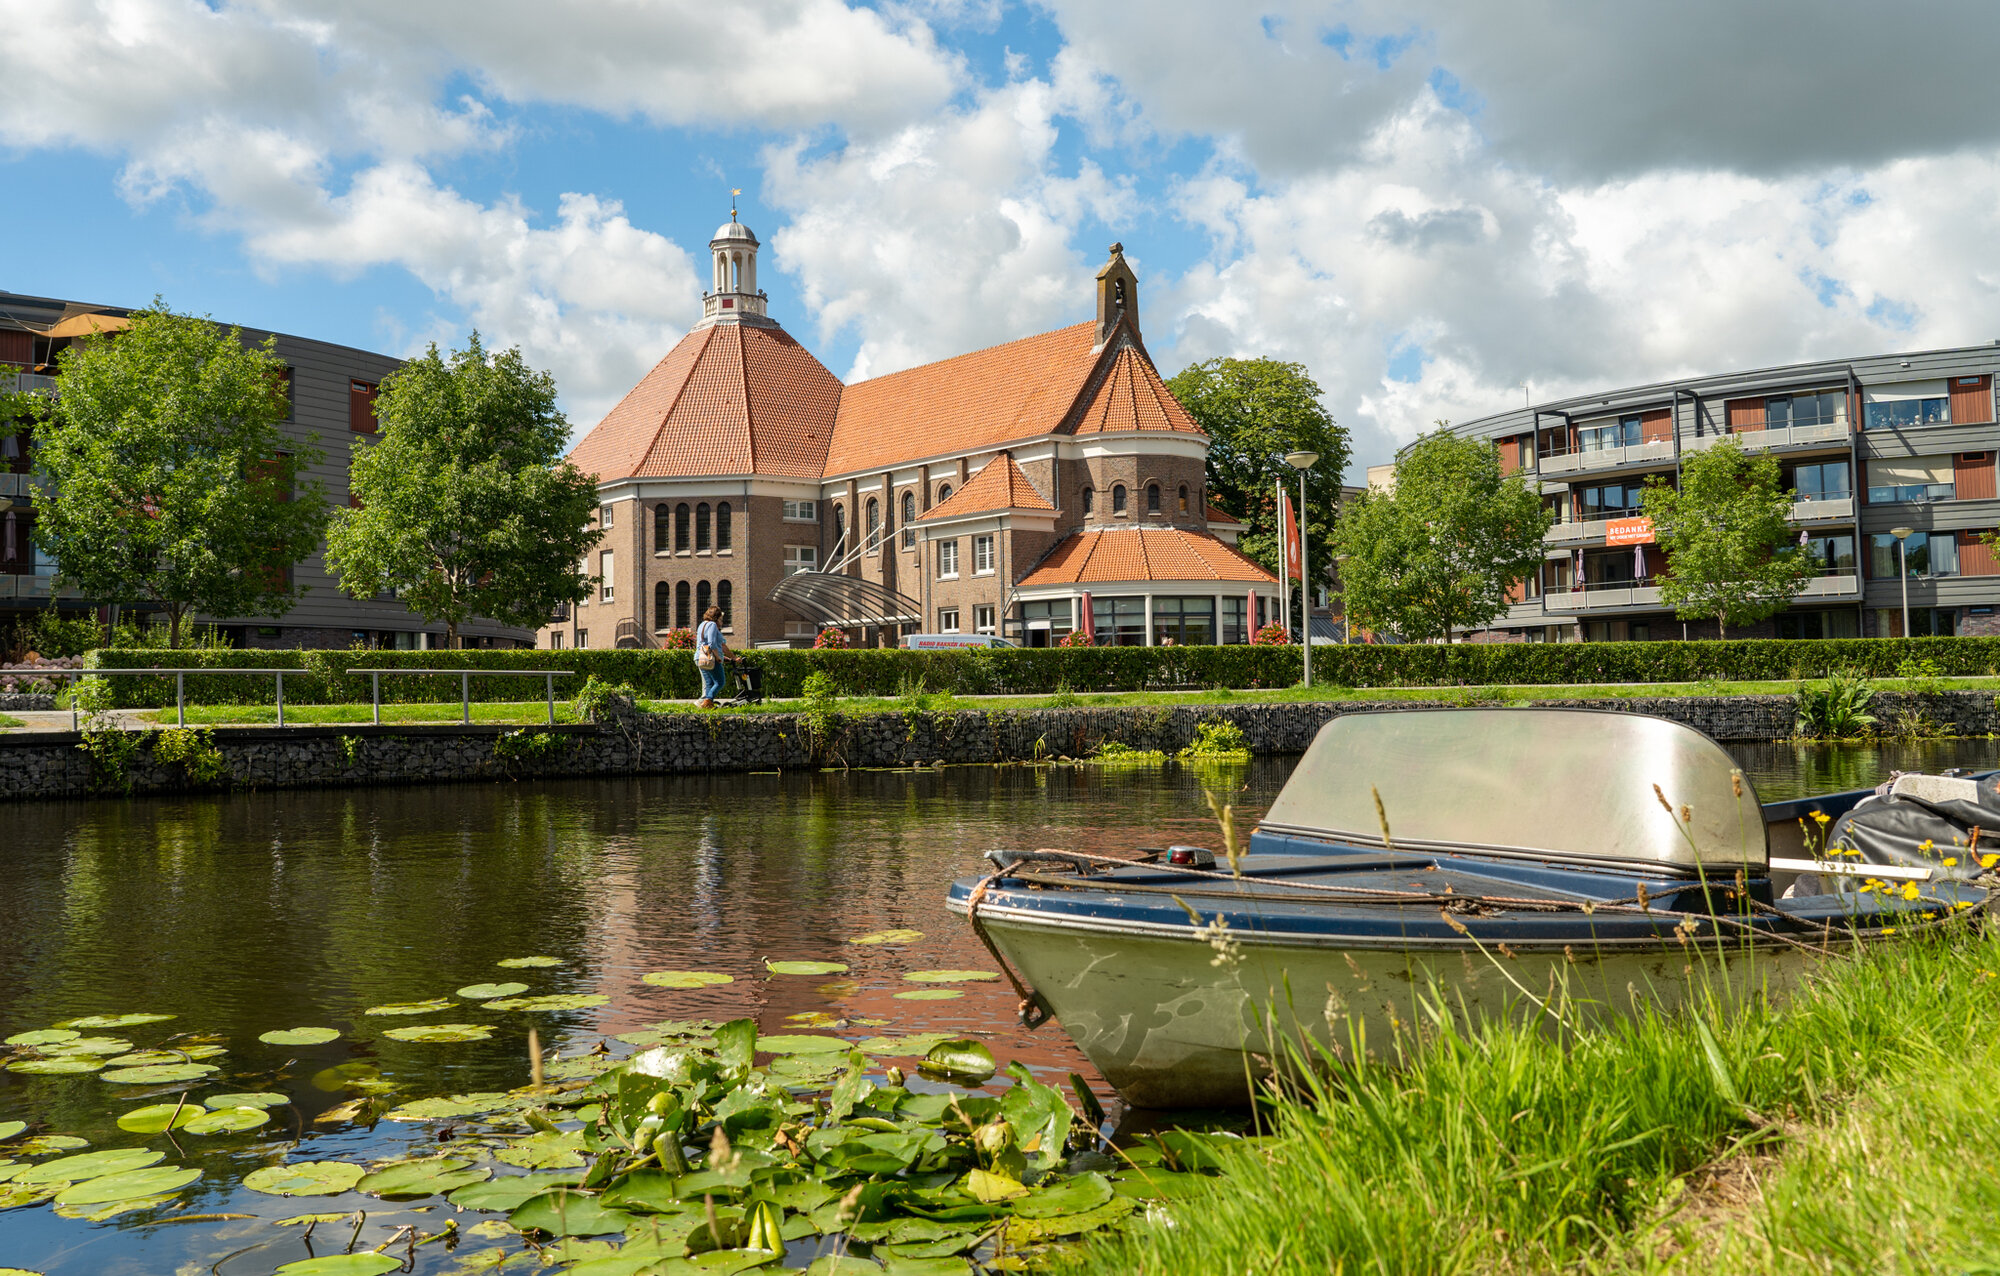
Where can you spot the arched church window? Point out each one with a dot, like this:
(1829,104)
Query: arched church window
(1152,498)
(874,515)
(701,542)
(722,529)
(1118,498)
(724,593)
(663,605)
(681,528)
(1183,498)
(909,520)
(682,617)
(662,529)
(1089,500)
(839,525)
(701,603)
(944,493)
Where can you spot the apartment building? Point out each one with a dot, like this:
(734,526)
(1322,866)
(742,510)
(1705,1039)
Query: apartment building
(1868,446)
(1033,488)
(332,390)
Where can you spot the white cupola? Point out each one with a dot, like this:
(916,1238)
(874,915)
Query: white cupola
(734,292)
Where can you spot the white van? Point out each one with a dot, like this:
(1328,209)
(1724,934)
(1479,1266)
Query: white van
(945,642)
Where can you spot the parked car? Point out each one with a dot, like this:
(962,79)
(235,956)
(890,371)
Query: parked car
(942,642)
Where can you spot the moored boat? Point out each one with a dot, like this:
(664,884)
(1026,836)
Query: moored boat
(1553,865)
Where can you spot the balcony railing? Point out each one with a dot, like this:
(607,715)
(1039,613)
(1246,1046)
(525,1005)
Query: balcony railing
(27,383)
(1842,583)
(1757,436)
(1568,461)
(1603,595)
(1813,508)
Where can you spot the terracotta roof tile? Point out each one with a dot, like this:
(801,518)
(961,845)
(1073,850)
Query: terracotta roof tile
(729,399)
(1144,553)
(1216,515)
(981,400)
(1132,397)
(1000,486)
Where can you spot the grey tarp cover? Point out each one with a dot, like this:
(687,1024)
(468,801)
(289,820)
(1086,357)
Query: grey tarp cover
(1892,825)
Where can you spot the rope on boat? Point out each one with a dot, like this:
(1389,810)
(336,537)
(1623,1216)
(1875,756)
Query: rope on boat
(1033,1010)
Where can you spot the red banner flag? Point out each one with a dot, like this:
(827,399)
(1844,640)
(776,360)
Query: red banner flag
(1291,526)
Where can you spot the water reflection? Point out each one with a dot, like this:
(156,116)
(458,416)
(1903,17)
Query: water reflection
(1782,771)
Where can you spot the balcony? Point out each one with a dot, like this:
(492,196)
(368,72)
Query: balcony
(1837,584)
(1752,436)
(28,383)
(25,588)
(1818,509)
(1647,453)
(1608,596)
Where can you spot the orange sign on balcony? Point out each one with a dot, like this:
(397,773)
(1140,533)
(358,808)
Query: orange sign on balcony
(1628,531)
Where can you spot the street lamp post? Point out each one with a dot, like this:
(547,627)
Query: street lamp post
(1303,461)
(1903,570)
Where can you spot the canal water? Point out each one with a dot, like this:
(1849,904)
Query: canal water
(245,913)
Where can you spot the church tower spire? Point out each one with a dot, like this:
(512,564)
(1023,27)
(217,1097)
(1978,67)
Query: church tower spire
(733,295)
(1117,297)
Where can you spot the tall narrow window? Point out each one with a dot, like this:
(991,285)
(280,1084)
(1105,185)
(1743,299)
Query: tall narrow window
(1118,498)
(1089,500)
(723,532)
(874,522)
(604,576)
(1183,498)
(663,533)
(701,528)
(839,528)
(683,618)
(361,407)
(681,528)
(701,603)
(909,520)
(663,605)
(1152,498)
(605,513)
(724,592)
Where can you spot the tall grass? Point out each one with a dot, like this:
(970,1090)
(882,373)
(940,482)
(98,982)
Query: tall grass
(1503,1150)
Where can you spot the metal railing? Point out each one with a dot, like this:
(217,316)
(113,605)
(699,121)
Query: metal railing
(464,676)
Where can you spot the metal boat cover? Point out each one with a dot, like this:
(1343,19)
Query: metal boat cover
(1921,821)
(1568,784)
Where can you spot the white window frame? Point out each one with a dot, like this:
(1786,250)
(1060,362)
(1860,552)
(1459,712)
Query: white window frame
(983,556)
(982,619)
(606,565)
(947,560)
(801,511)
(947,620)
(801,558)
(604,513)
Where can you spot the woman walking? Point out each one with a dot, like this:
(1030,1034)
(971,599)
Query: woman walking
(709,653)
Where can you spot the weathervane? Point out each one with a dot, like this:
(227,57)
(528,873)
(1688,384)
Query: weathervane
(733,193)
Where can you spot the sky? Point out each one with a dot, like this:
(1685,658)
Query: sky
(1441,208)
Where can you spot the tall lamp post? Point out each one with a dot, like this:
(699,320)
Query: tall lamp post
(1303,461)
(1903,570)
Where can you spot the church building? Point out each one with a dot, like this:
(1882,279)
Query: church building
(1026,490)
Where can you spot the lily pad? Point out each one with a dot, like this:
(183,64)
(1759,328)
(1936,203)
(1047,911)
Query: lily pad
(341,1265)
(1027,1231)
(686,978)
(835,989)
(458,1105)
(949,976)
(305,1178)
(301,1036)
(228,1121)
(157,1074)
(511,1192)
(806,967)
(97,1213)
(13,1196)
(801,1043)
(565,1211)
(960,1057)
(442,1032)
(929,994)
(55,1067)
(257,1099)
(154,1118)
(528,963)
(815,1019)
(88,1045)
(889,937)
(90,1165)
(408,1180)
(554,1001)
(412,1007)
(486,992)
(43,1144)
(147,1058)
(114,1021)
(41,1037)
(1067,1196)
(8,1129)
(156,1181)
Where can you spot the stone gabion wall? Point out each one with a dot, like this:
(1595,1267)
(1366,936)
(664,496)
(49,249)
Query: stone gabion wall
(51,766)
(25,701)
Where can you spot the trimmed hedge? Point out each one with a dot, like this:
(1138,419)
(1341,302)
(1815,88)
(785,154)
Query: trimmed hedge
(671,675)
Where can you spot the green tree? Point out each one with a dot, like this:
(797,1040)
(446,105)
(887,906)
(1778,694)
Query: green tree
(465,505)
(168,483)
(1255,411)
(1441,551)
(1730,553)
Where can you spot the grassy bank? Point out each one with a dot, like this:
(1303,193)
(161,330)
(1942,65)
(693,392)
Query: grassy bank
(534,711)
(1854,1131)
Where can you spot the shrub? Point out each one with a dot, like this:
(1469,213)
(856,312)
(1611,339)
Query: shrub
(831,640)
(677,640)
(1836,709)
(1273,635)
(1217,739)
(1076,638)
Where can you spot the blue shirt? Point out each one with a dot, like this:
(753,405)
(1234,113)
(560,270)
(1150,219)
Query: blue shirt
(709,635)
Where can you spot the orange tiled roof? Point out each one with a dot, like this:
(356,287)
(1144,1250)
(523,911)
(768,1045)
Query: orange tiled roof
(1144,553)
(1000,486)
(1216,515)
(1133,397)
(729,399)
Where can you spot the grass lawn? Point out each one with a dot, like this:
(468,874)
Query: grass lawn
(531,712)
(1847,1132)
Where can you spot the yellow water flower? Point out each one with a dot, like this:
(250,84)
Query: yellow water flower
(1951,861)
(1925,845)
(1822,817)
(1888,930)
(1988,861)
(1909,890)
